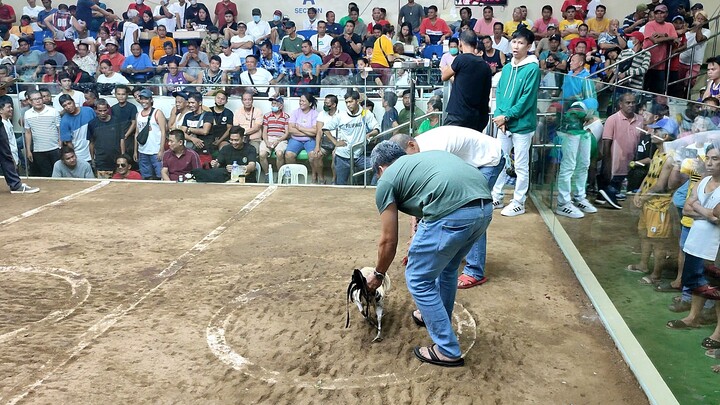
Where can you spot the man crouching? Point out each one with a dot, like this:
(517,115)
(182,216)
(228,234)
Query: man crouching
(455,204)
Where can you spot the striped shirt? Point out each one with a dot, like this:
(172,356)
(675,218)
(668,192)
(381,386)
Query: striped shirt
(638,68)
(275,125)
(44,127)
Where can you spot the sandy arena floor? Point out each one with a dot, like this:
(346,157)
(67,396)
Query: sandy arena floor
(151,293)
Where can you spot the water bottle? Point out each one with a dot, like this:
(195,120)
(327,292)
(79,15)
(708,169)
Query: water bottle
(270,175)
(623,188)
(235,172)
(286,175)
(181,178)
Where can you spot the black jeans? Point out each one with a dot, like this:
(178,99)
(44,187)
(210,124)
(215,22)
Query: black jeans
(43,162)
(478,122)
(7,163)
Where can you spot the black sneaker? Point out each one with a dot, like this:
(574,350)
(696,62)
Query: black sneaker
(610,199)
(600,200)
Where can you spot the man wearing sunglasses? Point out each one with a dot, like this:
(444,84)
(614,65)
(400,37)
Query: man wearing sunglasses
(122,169)
(663,33)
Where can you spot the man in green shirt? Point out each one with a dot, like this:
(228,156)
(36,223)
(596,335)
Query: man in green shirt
(453,199)
(291,44)
(404,114)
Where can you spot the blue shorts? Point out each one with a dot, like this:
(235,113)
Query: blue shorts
(684,232)
(295,146)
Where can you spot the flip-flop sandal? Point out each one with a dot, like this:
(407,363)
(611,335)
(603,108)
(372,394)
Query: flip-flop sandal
(647,280)
(666,286)
(710,343)
(435,360)
(634,269)
(418,321)
(465,281)
(679,324)
(713,353)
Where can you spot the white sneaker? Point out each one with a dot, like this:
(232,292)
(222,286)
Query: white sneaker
(585,206)
(513,209)
(569,210)
(25,189)
(497,204)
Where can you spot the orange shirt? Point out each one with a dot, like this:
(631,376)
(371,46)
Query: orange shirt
(157,43)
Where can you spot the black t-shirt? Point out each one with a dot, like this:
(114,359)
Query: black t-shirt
(220,121)
(107,137)
(470,94)
(197,121)
(192,12)
(233,27)
(348,49)
(242,156)
(125,115)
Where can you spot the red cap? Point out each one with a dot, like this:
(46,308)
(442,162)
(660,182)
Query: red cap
(278,12)
(637,35)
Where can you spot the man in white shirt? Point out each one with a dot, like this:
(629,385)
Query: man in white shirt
(321,41)
(498,39)
(476,149)
(242,43)
(258,28)
(164,15)
(230,62)
(254,77)
(312,21)
(178,9)
(32,10)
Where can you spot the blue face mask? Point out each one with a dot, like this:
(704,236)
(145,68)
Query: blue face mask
(256,18)
(275,109)
(630,44)
(276,18)
(453,51)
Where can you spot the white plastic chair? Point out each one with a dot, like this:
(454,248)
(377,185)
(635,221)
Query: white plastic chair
(290,174)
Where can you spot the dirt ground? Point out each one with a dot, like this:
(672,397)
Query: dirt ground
(146,293)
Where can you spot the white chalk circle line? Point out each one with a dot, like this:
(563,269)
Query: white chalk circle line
(80,289)
(217,342)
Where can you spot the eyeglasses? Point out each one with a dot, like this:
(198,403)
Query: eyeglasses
(122,165)
(36,99)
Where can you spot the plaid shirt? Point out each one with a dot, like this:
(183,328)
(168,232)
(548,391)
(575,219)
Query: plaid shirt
(275,65)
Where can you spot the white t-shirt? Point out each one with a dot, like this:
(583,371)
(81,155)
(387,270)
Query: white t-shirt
(310,25)
(242,53)
(229,62)
(77,96)
(33,12)
(475,148)
(258,30)
(704,237)
(116,78)
(152,146)
(11,139)
(45,128)
(321,44)
(351,129)
(128,29)
(695,55)
(503,46)
(177,9)
(169,23)
(260,77)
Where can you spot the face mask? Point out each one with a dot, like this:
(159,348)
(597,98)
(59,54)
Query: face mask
(139,1)
(275,109)
(453,51)
(256,18)
(276,18)
(326,108)
(214,36)
(630,44)
(193,2)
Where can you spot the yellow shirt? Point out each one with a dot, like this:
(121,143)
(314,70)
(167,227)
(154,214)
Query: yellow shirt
(159,51)
(565,24)
(598,26)
(382,44)
(19,31)
(511,26)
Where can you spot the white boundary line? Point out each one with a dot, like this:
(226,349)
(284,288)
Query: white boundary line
(215,335)
(80,291)
(63,200)
(632,352)
(100,327)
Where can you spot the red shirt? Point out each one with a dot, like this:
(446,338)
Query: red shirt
(6,13)
(116,61)
(276,125)
(439,28)
(590,42)
(141,8)
(132,175)
(660,52)
(180,165)
(675,62)
(580,8)
(372,24)
(221,8)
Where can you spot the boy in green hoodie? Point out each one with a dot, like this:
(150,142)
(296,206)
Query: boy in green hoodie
(515,117)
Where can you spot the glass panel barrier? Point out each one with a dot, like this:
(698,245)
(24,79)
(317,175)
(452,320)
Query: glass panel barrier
(617,164)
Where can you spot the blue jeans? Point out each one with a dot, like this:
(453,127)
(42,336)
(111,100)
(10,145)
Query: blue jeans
(693,272)
(150,166)
(342,168)
(431,272)
(475,260)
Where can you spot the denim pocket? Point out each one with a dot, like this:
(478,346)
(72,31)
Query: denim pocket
(452,238)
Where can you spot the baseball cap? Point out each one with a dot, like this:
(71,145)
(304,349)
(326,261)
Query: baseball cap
(48,40)
(224,43)
(182,94)
(637,35)
(213,29)
(278,12)
(110,41)
(678,17)
(552,25)
(278,99)
(6,43)
(697,6)
(660,7)
(256,11)
(145,93)
(641,7)
(555,37)
(289,24)
(668,124)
